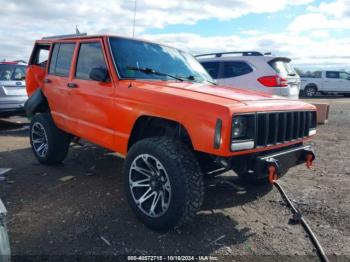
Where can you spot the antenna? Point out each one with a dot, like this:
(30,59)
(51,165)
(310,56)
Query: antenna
(133,26)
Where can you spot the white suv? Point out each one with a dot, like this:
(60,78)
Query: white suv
(253,70)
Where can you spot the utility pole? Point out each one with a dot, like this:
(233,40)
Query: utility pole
(133,26)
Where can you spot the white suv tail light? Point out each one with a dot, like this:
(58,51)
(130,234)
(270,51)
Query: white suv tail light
(273,81)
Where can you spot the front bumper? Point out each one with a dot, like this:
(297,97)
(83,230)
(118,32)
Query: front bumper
(283,160)
(12,108)
(257,166)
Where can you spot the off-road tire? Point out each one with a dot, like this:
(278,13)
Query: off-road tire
(57,140)
(186,180)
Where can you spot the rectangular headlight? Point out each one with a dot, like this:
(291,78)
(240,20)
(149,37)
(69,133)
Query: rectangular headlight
(239,127)
(243,132)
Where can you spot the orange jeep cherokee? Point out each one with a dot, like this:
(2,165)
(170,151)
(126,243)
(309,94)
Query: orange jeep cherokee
(157,106)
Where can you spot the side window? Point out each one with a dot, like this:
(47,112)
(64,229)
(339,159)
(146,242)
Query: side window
(61,59)
(53,60)
(212,68)
(41,55)
(90,56)
(332,74)
(234,69)
(344,75)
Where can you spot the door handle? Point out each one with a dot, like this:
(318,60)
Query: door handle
(72,85)
(47,81)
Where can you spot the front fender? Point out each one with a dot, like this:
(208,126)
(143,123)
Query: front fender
(36,103)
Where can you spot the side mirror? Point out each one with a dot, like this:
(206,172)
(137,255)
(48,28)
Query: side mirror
(99,74)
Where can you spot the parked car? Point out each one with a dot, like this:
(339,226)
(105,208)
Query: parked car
(253,70)
(5,252)
(157,106)
(12,88)
(325,82)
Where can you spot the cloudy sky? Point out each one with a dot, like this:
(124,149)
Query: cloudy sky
(313,33)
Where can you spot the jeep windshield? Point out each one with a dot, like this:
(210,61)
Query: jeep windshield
(135,59)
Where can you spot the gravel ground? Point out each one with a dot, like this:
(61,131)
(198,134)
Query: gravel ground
(89,215)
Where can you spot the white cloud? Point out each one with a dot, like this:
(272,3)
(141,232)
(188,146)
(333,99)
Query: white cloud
(304,50)
(22,22)
(334,15)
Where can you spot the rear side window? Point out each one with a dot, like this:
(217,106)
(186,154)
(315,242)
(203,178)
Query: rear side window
(40,56)
(332,74)
(212,68)
(234,69)
(61,59)
(90,56)
(344,75)
(282,68)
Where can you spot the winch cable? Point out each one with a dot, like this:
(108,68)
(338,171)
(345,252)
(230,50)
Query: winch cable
(296,212)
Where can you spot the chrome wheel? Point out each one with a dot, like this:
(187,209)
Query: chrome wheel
(150,185)
(310,91)
(39,139)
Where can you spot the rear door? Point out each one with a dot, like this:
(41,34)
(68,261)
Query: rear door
(36,70)
(91,103)
(56,81)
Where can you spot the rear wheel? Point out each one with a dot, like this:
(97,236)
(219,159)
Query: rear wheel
(310,91)
(49,144)
(163,182)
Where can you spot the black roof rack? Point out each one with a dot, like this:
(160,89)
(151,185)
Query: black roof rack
(243,53)
(64,36)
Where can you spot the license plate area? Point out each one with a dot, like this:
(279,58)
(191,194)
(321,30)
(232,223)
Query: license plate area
(15,91)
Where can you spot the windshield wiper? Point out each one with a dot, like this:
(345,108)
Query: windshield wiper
(192,78)
(151,71)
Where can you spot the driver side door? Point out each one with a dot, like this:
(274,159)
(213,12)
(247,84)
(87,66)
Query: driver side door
(91,103)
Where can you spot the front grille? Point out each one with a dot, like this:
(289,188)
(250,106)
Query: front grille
(280,127)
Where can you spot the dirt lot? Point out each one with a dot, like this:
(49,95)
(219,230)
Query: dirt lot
(48,216)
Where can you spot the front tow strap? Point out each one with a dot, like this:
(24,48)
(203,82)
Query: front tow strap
(297,216)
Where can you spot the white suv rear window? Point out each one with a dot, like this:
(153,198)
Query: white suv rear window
(282,68)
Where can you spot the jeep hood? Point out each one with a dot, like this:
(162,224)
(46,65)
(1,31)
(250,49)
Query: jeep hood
(227,95)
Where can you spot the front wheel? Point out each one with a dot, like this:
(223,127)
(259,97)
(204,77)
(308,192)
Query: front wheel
(163,182)
(49,144)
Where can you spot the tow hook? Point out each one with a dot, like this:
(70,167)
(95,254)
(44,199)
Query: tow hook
(310,157)
(273,170)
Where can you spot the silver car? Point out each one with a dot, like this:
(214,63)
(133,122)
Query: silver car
(5,252)
(12,88)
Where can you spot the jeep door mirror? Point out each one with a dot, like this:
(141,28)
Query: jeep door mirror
(99,74)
